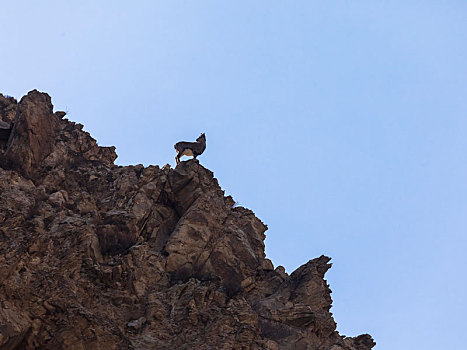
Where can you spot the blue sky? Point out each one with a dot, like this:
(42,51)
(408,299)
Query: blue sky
(342,124)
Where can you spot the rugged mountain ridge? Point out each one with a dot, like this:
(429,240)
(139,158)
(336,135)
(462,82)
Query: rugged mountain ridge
(99,256)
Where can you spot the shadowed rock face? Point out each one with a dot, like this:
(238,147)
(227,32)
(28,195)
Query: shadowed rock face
(97,256)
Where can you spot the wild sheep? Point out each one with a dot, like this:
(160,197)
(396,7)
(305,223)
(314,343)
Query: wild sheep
(194,149)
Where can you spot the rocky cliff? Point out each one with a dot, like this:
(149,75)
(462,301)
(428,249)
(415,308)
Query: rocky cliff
(99,256)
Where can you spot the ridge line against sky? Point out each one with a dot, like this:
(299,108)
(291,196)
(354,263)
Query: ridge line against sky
(340,124)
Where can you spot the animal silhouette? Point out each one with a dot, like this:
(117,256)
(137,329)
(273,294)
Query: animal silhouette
(193,149)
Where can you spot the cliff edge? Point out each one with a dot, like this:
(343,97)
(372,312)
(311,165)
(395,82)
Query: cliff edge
(99,256)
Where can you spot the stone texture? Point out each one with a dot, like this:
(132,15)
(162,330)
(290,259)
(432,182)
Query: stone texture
(98,256)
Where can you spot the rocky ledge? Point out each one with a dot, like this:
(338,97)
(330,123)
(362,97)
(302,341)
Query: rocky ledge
(99,256)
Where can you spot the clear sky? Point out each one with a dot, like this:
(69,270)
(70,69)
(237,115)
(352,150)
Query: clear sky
(342,124)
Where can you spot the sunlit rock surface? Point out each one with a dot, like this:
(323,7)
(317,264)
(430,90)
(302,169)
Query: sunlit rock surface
(98,256)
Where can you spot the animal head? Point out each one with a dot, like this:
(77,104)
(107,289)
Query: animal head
(201,137)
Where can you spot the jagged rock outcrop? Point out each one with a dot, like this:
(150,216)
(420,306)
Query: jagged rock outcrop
(99,256)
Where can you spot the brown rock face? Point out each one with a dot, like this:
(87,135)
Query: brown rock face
(97,256)
(33,132)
